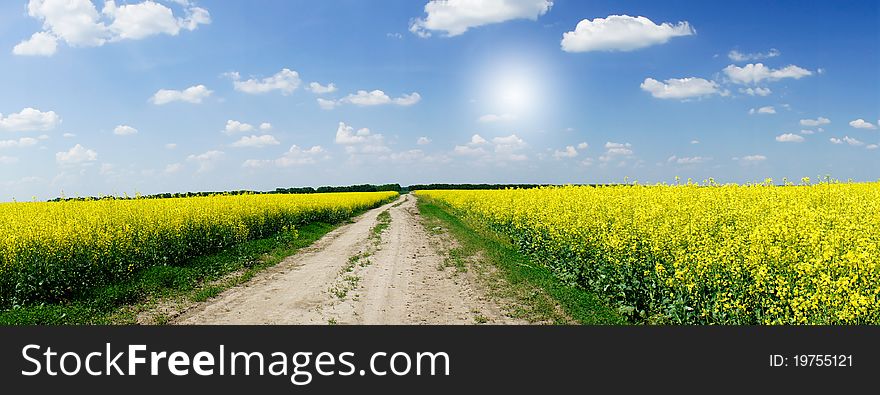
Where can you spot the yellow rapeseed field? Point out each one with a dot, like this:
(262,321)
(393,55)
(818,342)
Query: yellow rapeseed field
(725,254)
(49,251)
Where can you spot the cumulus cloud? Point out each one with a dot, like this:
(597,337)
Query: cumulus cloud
(265,126)
(29,119)
(679,88)
(489,118)
(22,142)
(815,122)
(500,149)
(372,98)
(319,89)
(255,141)
(751,159)
(848,140)
(862,124)
(423,141)
(454,17)
(568,152)
(194,94)
(695,141)
(285,81)
(757,72)
(68,135)
(327,104)
(76,154)
(233,127)
(758,91)
(360,141)
(206,161)
(871,146)
(295,156)
(124,130)
(583,146)
(737,56)
(790,138)
(614,150)
(79,24)
(40,44)
(687,160)
(621,33)
(763,110)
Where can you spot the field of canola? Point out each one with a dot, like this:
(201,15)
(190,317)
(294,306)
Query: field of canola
(50,252)
(715,254)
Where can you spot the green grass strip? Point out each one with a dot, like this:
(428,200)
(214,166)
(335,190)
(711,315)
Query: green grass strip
(578,304)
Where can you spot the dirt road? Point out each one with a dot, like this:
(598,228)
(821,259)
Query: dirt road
(359,275)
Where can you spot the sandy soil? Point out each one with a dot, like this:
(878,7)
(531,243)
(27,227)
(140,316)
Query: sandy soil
(351,276)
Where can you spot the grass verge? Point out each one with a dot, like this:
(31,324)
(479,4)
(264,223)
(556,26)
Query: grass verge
(538,295)
(195,280)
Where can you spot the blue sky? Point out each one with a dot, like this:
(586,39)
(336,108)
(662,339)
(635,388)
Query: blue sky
(167,96)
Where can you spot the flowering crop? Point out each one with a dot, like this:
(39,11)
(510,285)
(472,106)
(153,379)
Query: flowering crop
(51,251)
(725,254)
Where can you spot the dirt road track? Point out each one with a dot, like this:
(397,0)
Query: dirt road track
(351,276)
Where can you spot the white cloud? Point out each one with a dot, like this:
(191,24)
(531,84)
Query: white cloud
(815,122)
(255,141)
(295,156)
(170,146)
(688,160)
(737,56)
(616,151)
(423,141)
(360,141)
(477,140)
(375,98)
(68,135)
(8,160)
(621,33)
(757,91)
(695,141)
(79,24)
(408,100)
(862,124)
(682,88)
(327,104)
(286,81)
(790,138)
(194,94)
(173,168)
(124,130)
(757,72)
(751,158)
(233,127)
(467,150)
(321,89)
(807,132)
(568,152)
(489,118)
(22,142)
(871,146)
(455,17)
(583,146)
(76,154)
(848,140)
(265,126)
(207,160)
(763,110)
(40,44)
(29,119)
(505,148)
